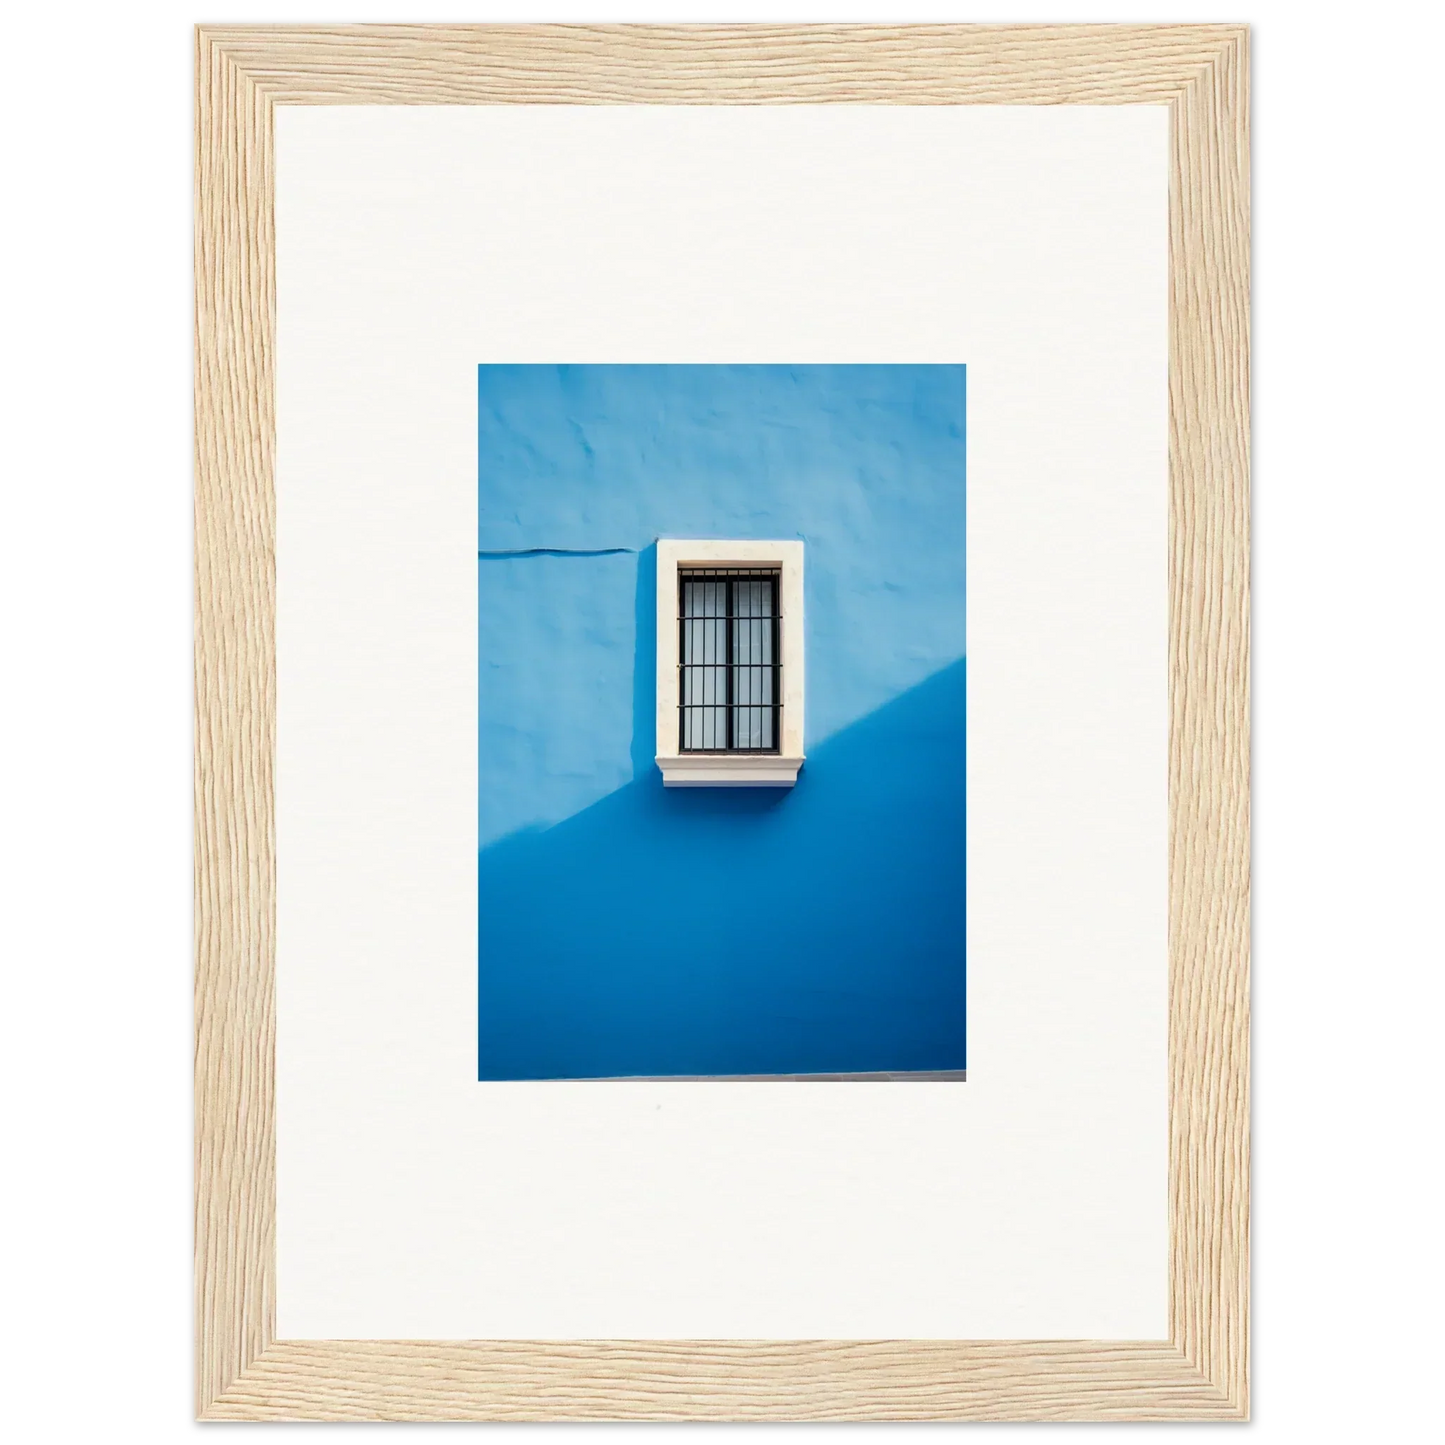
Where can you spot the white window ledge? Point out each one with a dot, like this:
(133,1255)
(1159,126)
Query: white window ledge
(728,770)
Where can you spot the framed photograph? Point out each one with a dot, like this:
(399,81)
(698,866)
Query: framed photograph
(722,722)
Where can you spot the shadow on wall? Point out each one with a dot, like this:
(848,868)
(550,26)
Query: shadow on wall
(644,667)
(818,929)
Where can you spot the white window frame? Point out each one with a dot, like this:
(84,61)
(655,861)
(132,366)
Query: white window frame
(730,770)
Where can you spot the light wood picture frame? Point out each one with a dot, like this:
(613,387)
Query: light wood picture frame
(1201,1372)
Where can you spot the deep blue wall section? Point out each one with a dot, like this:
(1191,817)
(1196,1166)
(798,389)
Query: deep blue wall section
(818,929)
(630,929)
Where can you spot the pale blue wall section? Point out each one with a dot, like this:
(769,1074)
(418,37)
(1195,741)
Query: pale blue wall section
(865,463)
(557,637)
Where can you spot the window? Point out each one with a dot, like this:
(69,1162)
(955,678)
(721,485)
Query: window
(729,695)
(729,663)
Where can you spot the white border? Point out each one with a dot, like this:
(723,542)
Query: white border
(679,771)
(1031,244)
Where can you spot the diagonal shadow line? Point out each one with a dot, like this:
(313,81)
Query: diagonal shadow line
(818,929)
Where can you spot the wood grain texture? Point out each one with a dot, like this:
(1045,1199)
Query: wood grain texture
(1209,721)
(235,609)
(243,1371)
(724,65)
(721,1380)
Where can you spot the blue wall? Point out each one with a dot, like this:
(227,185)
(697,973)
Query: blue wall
(630,929)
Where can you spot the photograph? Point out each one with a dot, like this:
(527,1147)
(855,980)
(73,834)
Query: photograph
(722,722)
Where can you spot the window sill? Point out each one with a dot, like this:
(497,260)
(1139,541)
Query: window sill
(729,770)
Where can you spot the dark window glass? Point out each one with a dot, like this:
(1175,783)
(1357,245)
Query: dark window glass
(730,693)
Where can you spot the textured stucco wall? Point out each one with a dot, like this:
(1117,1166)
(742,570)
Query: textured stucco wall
(628,929)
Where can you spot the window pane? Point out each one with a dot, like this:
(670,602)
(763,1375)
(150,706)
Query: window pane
(728,630)
(752,659)
(704,683)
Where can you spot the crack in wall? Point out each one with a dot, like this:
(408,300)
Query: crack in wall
(559,552)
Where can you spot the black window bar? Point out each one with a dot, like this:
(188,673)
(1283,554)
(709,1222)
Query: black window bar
(730,670)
